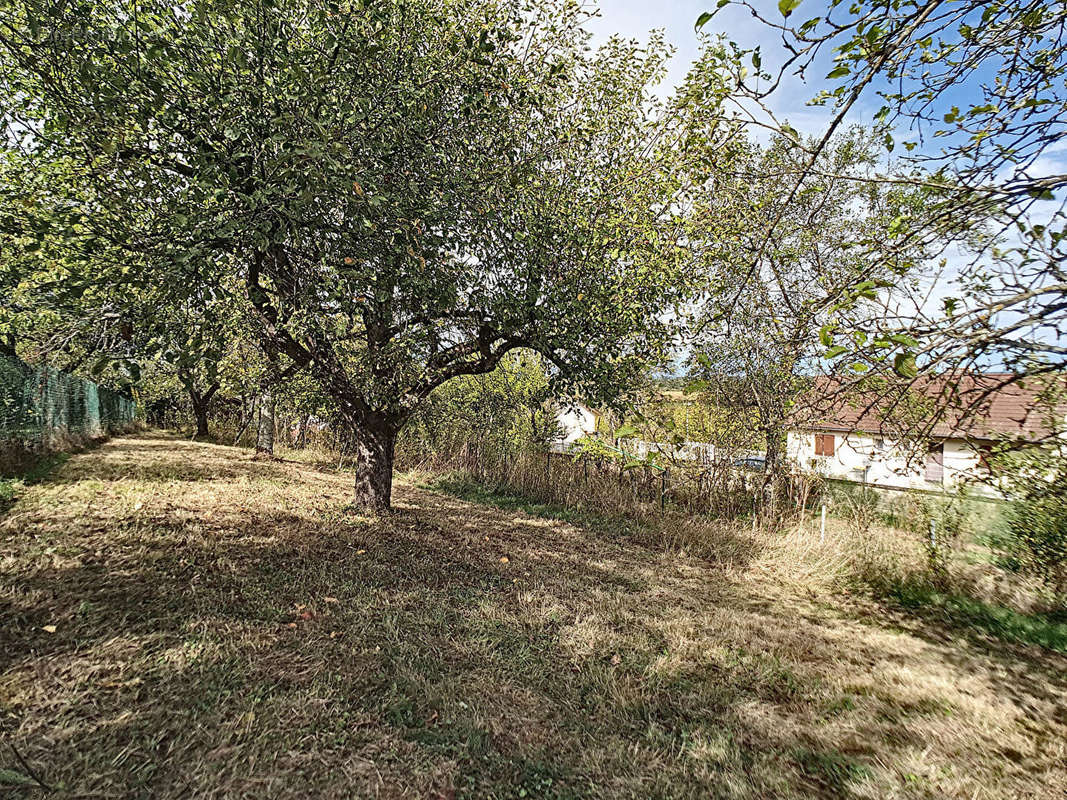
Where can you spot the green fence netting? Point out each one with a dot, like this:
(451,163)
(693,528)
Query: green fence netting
(39,406)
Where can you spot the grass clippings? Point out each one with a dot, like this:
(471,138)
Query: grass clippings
(178,619)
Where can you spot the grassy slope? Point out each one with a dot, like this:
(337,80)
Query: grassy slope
(224,628)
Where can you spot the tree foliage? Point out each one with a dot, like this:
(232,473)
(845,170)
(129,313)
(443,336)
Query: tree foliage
(488,418)
(786,268)
(971,100)
(406,190)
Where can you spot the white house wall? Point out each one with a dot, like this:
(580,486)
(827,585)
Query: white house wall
(858,457)
(574,423)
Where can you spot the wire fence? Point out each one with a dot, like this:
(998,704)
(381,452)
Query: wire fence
(724,488)
(42,408)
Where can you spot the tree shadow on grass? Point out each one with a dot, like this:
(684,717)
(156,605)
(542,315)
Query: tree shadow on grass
(31,469)
(255,639)
(1021,655)
(983,622)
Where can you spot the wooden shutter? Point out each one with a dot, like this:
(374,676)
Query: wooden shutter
(935,463)
(824,444)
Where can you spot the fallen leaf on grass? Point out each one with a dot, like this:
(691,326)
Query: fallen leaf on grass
(329,600)
(504,559)
(48,628)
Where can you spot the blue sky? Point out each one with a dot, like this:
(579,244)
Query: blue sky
(635,18)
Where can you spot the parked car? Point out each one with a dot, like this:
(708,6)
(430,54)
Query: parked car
(755,462)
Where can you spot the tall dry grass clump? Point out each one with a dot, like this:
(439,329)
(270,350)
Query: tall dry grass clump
(846,557)
(713,512)
(640,489)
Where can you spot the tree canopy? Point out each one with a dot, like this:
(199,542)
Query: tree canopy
(970,100)
(406,190)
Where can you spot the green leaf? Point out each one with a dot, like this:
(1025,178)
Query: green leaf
(835,351)
(787,6)
(703,19)
(838,72)
(904,339)
(904,365)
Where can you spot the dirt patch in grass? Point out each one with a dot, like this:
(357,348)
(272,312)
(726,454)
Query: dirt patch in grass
(178,619)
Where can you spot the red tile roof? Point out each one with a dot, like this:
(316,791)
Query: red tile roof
(974,406)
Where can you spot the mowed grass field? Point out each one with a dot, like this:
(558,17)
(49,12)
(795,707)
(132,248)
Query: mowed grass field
(178,619)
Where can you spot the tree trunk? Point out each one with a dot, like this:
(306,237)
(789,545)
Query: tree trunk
(200,410)
(265,436)
(375,442)
(772,476)
(200,403)
(302,432)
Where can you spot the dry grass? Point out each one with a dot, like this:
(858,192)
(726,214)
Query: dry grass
(597,484)
(223,627)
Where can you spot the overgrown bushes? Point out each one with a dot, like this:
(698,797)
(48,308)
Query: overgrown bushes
(1037,536)
(483,423)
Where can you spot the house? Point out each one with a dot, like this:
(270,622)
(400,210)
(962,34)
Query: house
(576,420)
(573,421)
(852,437)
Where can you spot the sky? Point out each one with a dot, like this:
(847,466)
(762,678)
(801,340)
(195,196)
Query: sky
(635,18)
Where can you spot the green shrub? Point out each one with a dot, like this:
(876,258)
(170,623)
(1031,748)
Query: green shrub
(941,523)
(1037,535)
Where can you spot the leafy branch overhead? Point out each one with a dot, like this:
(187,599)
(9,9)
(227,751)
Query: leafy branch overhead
(969,103)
